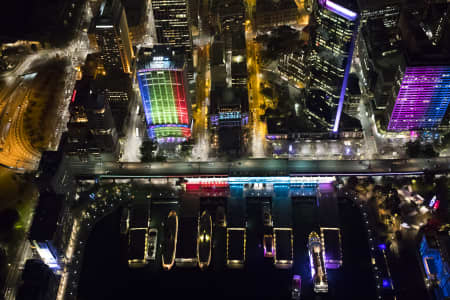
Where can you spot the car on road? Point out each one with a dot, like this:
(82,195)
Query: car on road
(152,243)
(296,287)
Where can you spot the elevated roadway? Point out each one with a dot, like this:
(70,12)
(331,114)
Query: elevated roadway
(261,168)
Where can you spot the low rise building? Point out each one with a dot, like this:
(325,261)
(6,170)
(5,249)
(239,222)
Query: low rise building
(136,12)
(228,116)
(38,282)
(270,14)
(92,134)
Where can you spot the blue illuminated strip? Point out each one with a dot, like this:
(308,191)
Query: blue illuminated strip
(340,10)
(159,69)
(170,125)
(145,94)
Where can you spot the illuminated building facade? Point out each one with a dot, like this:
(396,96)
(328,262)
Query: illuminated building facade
(422,100)
(228,115)
(433,251)
(332,43)
(162,82)
(172,26)
(109,33)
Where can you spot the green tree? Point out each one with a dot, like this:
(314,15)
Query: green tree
(8,218)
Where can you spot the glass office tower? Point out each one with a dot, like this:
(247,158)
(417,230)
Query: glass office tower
(332,44)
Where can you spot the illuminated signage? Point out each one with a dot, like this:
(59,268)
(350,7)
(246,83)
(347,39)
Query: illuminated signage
(340,10)
(46,255)
(104,26)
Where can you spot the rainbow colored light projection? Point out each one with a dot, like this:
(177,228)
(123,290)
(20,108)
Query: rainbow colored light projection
(164,98)
(422,100)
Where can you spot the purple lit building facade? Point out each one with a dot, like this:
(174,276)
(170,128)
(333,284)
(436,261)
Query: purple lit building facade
(422,99)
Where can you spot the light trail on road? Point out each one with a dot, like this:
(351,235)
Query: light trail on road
(201,148)
(256,101)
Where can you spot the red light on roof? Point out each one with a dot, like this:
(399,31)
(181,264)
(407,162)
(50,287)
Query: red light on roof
(436,204)
(73,95)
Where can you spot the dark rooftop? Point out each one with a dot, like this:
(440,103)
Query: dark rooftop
(135,11)
(137,243)
(139,216)
(353,85)
(419,50)
(46,216)
(236,244)
(222,97)
(187,238)
(268,5)
(371,4)
(283,246)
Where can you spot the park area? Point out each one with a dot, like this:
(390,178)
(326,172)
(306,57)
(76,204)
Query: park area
(17,200)
(47,88)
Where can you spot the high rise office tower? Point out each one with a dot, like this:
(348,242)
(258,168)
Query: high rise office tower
(231,23)
(172,26)
(109,33)
(333,37)
(162,82)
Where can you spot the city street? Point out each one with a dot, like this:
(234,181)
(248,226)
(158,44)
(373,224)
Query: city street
(256,100)
(19,84)
(201,149)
